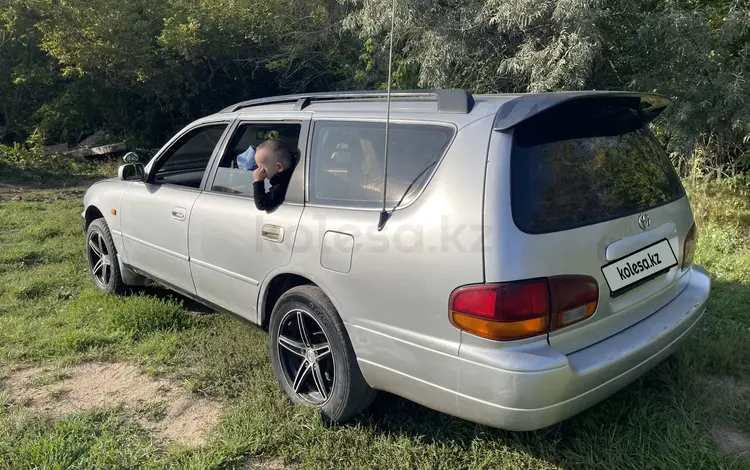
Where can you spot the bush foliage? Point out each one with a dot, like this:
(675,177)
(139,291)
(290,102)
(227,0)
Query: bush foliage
(143,68)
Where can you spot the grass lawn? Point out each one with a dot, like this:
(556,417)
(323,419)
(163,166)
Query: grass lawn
(692,411)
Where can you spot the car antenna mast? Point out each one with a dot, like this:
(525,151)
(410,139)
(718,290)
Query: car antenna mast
(384,215)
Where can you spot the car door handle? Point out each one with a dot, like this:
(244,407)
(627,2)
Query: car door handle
(273,233)
(178,213)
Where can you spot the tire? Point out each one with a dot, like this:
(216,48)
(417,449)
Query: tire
(100,246)
(335,369)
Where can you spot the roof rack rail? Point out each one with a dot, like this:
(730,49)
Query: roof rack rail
(448,101)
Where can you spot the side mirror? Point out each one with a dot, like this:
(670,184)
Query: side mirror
(132,157)
(131,172)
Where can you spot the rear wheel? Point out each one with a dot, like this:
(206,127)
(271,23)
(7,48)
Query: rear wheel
(312,357)
(102,257)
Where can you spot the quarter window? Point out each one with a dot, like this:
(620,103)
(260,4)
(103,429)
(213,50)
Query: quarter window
(347,161)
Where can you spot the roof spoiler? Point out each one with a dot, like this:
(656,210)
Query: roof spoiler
(517,110)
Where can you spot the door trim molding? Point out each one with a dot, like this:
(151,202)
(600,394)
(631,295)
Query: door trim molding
(226,272)
(155,247)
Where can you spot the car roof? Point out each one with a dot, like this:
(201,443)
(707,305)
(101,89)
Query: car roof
(450,105)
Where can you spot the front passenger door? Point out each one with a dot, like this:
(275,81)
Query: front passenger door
(155,213)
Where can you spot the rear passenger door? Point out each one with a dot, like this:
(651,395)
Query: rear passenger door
(233,246)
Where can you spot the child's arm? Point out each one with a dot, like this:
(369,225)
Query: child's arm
(266,201)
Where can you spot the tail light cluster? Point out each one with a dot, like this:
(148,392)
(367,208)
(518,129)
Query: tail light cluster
(688,247)
(516,310)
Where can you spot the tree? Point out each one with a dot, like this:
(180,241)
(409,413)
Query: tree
(488,46)
(694,51)
(28,78)
(143,68)
(698,54)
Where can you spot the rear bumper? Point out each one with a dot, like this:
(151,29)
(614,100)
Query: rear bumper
(555,387)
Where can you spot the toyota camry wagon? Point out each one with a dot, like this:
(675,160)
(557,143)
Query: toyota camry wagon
(507,259)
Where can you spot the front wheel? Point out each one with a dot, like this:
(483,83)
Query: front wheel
(312,357)
(102,257)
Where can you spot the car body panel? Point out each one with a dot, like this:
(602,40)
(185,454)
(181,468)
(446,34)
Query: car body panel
(532,400)
(105,196)
(228,255)
(393,302)
(155,219)
(160,246)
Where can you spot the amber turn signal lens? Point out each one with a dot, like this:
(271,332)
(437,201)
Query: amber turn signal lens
(500,331)
(114,211)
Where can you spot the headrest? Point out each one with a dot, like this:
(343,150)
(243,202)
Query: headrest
(341,156)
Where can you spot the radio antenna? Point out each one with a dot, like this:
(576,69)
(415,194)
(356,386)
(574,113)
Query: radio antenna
(384,213)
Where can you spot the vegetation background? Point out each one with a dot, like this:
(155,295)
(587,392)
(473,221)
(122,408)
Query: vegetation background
(141,69)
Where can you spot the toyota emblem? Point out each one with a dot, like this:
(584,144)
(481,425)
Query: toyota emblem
(644,221)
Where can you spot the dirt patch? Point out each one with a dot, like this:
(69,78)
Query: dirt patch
(732,442)
(727,385)
(263,463)
(10,192)
(729,440)
(159,405)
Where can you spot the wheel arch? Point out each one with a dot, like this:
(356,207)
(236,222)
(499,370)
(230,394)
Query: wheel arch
(92,213)
(275,288)
(281,281)
(354,394)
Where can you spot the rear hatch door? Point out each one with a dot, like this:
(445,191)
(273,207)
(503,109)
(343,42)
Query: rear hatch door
(594,193)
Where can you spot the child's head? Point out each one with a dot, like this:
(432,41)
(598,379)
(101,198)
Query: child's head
(273,156)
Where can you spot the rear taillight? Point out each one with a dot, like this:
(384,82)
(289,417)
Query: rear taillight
(502,311)
(574,298)
(516,310)
(688,247)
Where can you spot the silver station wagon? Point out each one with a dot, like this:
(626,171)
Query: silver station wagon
(534,256)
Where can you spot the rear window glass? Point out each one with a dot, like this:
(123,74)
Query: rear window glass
(570,172)
(347,161)
(235,174)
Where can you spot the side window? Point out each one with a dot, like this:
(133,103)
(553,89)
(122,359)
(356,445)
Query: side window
(186,161)
(235,172)
(347,161)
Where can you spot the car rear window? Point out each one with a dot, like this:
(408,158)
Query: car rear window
(569,171)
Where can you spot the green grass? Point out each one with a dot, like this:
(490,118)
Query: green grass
(51,316)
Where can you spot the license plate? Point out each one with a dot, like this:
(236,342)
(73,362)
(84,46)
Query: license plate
(637,268)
